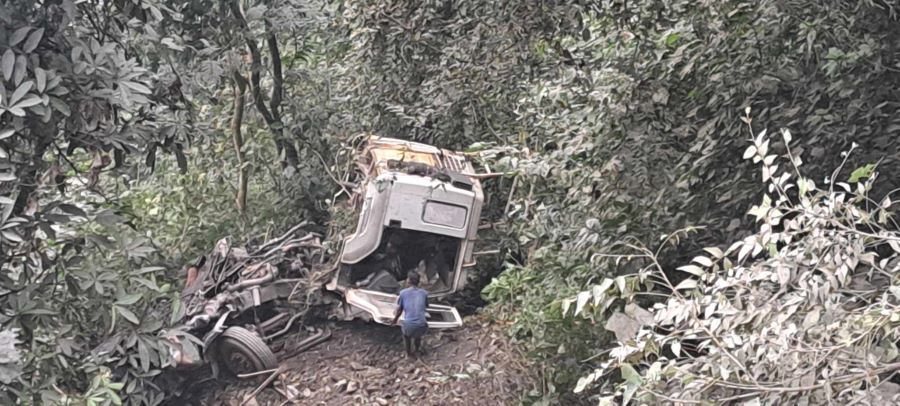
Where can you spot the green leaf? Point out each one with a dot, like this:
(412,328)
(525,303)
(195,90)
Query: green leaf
(31,100)
(633,382)
(671,39)
(143,355)
(630,375)
(33,40)
(20,92)
(18,35)
(864,171)
(7,63)
(128,315)
(72,209)
(47,312)
(10,235)
(129,299)
(17,111)
(21,69)
(41,76)
(137,87)
(176,310)
(150,269)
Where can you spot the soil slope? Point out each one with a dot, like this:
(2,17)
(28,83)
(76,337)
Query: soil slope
(364,364)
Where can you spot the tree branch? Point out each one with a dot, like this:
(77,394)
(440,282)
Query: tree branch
(277,76)
(239,84)
(271,117)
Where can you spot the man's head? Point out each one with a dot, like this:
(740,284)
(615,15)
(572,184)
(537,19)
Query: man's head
(412,279)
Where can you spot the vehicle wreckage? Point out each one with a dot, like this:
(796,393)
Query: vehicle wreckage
(417,209)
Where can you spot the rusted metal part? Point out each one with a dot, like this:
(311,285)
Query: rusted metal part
(257,373)
(286,328)
(311,341)
(234,286)
(273,322)
(262,386)
(248,283)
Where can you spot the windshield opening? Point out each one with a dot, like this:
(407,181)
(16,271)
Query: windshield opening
(432,256)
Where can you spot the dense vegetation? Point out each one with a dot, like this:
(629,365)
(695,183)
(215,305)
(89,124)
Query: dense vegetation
(134,133)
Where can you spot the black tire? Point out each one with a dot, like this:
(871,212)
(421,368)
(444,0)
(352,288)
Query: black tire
(241,351)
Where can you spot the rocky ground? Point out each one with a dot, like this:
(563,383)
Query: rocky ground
(364,364)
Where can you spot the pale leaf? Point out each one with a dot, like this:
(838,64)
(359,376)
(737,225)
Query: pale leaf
(715,252)
(750,152)
(581,300)
(703,261)
(786,134)
(692,269)
(686,284)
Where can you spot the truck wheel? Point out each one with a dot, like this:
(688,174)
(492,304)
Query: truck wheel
(241,351)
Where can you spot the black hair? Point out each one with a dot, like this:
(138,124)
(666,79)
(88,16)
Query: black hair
(413,278)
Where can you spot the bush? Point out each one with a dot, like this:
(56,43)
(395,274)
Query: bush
(804,311)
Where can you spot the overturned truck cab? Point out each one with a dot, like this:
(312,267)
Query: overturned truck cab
(418,209)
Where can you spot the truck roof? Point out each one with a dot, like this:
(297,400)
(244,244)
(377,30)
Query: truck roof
(389,149)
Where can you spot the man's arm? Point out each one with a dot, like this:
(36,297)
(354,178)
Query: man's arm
(399,310)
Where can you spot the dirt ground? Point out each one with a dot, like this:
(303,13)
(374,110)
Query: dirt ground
(365,364)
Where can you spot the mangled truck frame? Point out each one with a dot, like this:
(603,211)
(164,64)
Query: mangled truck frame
(417,209)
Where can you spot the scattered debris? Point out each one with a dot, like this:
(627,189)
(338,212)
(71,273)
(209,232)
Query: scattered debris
(239,300)
(363,364)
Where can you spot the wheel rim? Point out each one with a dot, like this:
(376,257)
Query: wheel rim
(240,363)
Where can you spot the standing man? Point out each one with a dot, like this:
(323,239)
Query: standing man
(412,301)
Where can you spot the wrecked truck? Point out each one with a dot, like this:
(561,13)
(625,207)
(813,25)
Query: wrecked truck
(416,209)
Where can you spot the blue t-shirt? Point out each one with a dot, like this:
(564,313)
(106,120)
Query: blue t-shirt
(413,301)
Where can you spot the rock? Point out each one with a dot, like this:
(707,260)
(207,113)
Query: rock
(306,393)
(623,326)
(356,366)
(381,401)
(339,386)
(638,313)
(352,386)
(373,373)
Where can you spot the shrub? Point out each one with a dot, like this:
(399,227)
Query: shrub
(804,311)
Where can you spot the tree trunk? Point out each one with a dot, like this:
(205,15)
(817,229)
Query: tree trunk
(271,114)
(240,85)
(290,153)
(28,176)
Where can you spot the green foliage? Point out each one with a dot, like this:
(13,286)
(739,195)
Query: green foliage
(764,320)
(615,122)
(84,287)
(185,214)
(637,136)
